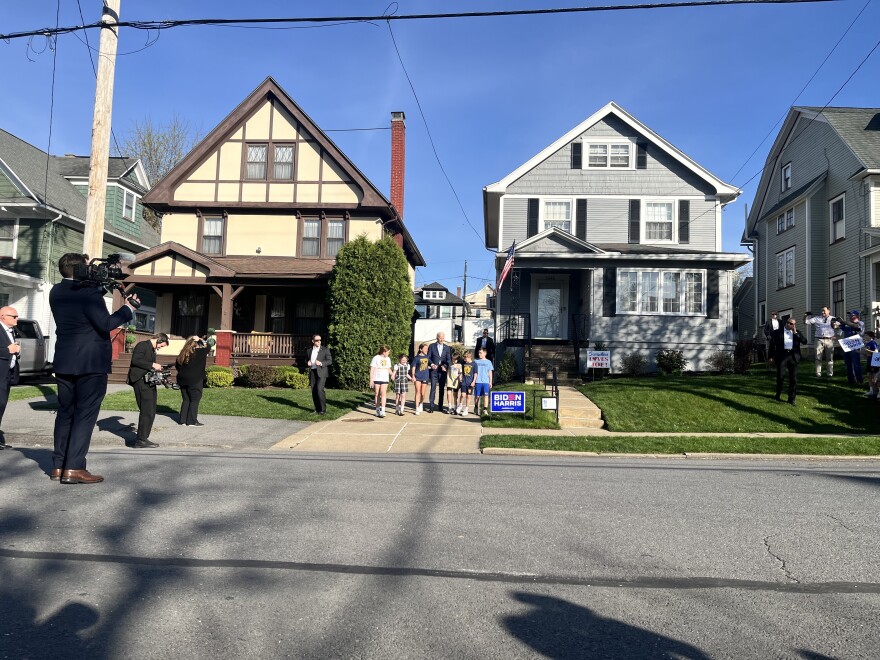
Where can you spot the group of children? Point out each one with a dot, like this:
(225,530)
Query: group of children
(465,377)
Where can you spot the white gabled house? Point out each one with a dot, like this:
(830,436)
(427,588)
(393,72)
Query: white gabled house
(618,240)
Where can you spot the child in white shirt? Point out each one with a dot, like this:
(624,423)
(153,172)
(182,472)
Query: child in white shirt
(380,372)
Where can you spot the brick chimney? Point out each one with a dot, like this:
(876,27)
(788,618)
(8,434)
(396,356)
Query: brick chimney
(398,159)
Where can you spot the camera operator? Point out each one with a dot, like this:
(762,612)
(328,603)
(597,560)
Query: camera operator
(191,378)
(143,360)
(82,362)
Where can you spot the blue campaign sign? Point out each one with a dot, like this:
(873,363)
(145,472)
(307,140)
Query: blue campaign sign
(507,402)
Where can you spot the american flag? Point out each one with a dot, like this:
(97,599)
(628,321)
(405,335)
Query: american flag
(507,264)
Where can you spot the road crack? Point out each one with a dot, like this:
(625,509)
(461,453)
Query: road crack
(841,523)
(781,561)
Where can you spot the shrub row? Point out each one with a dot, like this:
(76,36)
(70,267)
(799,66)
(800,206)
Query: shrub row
(257,375)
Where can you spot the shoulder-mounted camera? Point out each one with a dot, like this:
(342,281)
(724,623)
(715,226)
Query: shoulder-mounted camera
(156,377)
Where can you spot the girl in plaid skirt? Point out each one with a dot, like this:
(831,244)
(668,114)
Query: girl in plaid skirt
(401,381)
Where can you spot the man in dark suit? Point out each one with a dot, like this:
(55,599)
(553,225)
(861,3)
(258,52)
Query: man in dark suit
(143,360)
(439,359)
(82,361)
(318,360)
(487,344)
(770,327)
(9,354)
(785,346)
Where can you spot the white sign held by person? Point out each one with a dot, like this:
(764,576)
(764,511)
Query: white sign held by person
(598,359)
(848,344)
(875,359)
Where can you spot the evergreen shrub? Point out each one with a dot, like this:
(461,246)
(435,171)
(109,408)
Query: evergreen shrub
(261,375)
(633,364)
(670,361)
(721,362)
(216,376)
(505,368)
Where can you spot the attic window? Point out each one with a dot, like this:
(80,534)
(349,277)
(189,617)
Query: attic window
(128,206)
(434,295)
(786,177)
(256,160)
(609,155)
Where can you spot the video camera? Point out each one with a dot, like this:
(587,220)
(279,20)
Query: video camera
(156,377)
(104,273)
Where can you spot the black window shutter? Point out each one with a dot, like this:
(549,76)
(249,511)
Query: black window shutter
(609,292)
(641,155)
(532,227)
(581,219)
(684,221)
(577,151)
(635,220)
(712,297)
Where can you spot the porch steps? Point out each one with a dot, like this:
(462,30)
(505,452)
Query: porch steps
(544,357)
(577,412)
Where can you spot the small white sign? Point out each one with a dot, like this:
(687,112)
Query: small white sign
(848,344)
(549,403)
(598,359)
(875,359)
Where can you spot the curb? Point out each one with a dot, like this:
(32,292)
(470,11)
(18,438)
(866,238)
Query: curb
(513,451)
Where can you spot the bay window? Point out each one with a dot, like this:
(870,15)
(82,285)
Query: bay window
(661,292)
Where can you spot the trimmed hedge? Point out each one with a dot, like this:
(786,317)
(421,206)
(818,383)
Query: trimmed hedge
(260,375)
(216,376)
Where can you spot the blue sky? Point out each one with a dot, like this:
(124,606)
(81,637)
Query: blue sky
(495,91)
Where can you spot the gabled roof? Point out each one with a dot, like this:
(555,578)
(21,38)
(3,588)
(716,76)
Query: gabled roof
(77,167)
(493,192)
(558,237)
(858,128)
(214,268)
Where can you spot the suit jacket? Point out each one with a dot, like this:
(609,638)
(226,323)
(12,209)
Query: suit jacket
(142,358)
(193,372)
(83,326)
(777,343)
(768,327)
(442,358)
(324,358)
(490,348)
(6,361)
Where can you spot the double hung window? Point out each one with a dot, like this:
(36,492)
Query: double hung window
(128,205)
(837,212)
(212,235)
(311,242)
(669,292)
(785,268)
(659,221)
(257,155)
(557,213)
(8,236)
(609,155)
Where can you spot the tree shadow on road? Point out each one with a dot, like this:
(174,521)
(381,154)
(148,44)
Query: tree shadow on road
(557,628)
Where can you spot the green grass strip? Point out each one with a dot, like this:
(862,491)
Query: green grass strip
(22,392)
(797,445)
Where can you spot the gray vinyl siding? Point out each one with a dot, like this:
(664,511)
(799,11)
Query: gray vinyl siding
(664,176)
(7,189)
(793,297)
(607,220)
(702,225)
(513,224)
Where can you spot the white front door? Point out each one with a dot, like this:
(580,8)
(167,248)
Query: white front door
(550,307)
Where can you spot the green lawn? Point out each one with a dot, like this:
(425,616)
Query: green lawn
(546,419)
(863,446)
(245,402)
(735,404)
(21,392)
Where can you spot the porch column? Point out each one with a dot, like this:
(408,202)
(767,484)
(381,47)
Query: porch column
(223,348)
(117,341)
(227,295)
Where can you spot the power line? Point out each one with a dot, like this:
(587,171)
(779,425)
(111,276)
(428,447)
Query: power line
(51,105)
(243,22)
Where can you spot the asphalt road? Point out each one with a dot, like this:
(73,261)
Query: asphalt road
(268,555)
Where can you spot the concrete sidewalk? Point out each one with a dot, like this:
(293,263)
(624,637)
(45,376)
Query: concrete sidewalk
(360,431)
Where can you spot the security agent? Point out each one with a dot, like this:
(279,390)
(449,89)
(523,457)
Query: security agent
(82,362)
(143,361)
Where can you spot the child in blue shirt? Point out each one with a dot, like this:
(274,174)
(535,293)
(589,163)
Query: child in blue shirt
(483,382)
(421,370)
(468,376)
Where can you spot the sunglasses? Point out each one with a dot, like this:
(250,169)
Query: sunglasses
(12,316)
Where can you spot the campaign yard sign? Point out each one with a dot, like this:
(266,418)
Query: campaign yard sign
(598,359)
(507,402)
(848,344)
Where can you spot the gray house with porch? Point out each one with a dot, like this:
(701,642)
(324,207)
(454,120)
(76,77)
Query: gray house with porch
(617,237)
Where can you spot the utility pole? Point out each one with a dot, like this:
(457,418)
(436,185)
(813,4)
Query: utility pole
(464,291)
(97,198)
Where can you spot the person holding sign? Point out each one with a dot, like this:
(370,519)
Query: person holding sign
(853,327)
(872,364)
(786,346)
(826,327)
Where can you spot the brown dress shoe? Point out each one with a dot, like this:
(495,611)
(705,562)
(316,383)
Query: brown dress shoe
(56,474)
(80,477)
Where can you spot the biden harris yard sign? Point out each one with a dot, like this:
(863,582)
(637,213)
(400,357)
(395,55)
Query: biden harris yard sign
(504,402)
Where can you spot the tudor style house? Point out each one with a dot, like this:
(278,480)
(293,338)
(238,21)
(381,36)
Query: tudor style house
(42,216)
(617,239)
(814,225)
(252,220)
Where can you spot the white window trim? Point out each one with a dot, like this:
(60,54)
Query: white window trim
(643,230)
(784,215)
(782,181)
(831,282)
(14,239)
(782,254)
(571,208)
(433,294)
(841,196)
(134,204)
(660,312)
(585,154)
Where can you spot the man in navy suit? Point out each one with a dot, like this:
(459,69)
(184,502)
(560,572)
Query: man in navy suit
(9,353)
(83,356)
(439,359)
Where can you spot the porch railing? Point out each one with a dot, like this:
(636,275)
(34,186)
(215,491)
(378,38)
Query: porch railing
(579,331)
(519,327)
(269,344)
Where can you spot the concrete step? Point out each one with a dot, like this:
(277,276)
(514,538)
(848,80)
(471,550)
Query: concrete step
(579,413)
(570,423)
